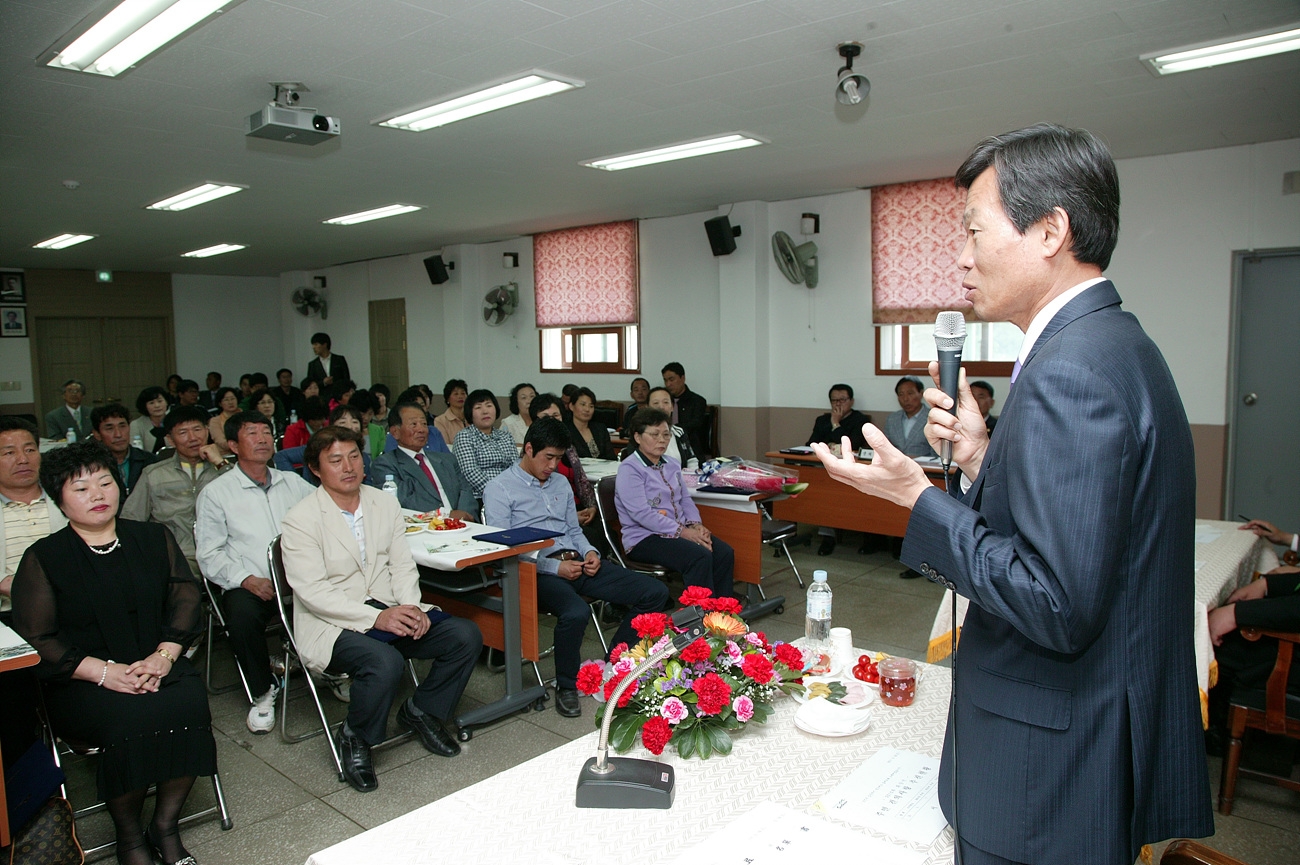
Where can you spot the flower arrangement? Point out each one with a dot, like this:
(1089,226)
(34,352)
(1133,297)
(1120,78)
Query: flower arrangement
(723,681)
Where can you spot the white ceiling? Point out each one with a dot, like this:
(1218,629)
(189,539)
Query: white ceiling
(944,74)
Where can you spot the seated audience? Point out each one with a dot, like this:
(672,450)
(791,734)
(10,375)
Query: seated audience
(842,420)
(341,392)
(257,382)
(113,430)
(288,396)
(416,394)
(245,386)
(690,410)
(173,389)
(983,393)
(452,421)
(426,479)
(167,490)
(227,407)
(187,392)
(483,452)
(313,416)
(71,415)
(211,395)
(382,397)
(590,439)
(152,406)
(325,368)
(357,608)
(529,493)
(111,606)
(568,394)
(521,396)
(237,517)
(29,514)
(364,402)
(584,494)
(311,390)
(293,459)
(640,393)
(679,446)
(267,406)
(905,428)
(660,521)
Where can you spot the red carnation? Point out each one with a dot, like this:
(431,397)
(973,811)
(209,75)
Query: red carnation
(627,695)
(617,652)
(697,651)
(722,605)
(589,677)
(694,595)
(655,734)
(758,668)
(762,638)
(650,625)
(712,692)
(790,656)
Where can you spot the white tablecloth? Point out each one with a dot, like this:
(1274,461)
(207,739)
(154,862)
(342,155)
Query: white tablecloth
(444,551)
(534,801)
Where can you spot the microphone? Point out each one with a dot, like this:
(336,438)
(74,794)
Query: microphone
(949,337)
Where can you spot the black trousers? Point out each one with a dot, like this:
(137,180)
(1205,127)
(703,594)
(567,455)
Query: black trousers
(698,566)
(377,668)
(247,616)
(643,593)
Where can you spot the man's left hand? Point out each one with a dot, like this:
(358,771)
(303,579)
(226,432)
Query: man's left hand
(463,516)
(1223,620)
(892,475)
(591,563)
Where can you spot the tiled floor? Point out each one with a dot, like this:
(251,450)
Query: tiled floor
(287,803)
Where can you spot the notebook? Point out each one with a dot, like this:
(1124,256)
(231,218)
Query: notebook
(515,537)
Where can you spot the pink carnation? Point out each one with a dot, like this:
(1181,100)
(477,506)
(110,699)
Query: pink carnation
(733,651)
(674,710)
(743,707)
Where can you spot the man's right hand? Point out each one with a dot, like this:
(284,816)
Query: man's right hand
(402,620)
(966,430)
(837,415)
(570,570)
(1266,530)
(258,586)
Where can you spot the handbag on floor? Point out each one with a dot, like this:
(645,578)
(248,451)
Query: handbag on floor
(49,838)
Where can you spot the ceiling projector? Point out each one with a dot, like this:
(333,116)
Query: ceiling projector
(283,120)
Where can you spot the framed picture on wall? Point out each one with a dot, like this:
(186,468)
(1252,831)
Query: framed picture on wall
(12,288)
(13,321)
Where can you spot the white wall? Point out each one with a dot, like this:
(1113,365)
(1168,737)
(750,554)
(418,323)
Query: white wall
(16,363)
(227,323)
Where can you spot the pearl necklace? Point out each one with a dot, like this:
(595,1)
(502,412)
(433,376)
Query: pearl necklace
(117,542)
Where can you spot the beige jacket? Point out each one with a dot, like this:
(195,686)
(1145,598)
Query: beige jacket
(323,565)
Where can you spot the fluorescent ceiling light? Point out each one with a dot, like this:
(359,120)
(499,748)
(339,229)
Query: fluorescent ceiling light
(534,85)
(717,144)
(133,30)
(63,241)
(196,196)
(377,213)
(209,251)
(1206,55)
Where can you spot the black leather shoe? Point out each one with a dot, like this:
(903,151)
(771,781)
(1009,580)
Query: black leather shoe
(358,765)
(567,702)
(827,547)
(430,730)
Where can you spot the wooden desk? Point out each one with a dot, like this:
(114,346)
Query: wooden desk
(16,661)
(828,502)
(741,529)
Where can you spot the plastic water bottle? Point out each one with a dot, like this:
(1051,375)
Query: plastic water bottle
(817,619)
(390,486)
(71,435)
(293,416)
(137,442)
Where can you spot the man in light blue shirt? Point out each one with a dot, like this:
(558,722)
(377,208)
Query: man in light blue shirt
(530,493)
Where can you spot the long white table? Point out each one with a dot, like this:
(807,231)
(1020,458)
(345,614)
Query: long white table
(534,801)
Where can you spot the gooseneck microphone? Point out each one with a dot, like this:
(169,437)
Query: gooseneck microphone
(949,338)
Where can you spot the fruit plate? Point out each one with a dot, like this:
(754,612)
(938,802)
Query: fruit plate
(418,528)
(859,695)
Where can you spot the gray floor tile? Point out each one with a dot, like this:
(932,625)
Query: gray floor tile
(287,839)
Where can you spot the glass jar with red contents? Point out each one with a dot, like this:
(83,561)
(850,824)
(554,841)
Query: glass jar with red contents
(897,681)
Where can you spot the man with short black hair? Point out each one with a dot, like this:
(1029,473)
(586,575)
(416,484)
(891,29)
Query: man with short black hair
(71,415)
(842,420)
(326,368)
(983,393)
(187,392)
(905,428)
(29,514)
(237,517)
(112,426)
(288,396)
(690,410)
(426,479)
(314,415)
(531,493)
(208,397)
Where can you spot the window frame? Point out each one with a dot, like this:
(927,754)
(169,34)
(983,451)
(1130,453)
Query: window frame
(619,331)
(974,369)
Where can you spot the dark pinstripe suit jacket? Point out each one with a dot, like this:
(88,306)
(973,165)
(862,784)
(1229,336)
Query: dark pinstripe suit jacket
(1077,710)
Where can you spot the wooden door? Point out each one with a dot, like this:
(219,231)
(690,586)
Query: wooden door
(68,348)
(115,358)
(135,357)
(388,344)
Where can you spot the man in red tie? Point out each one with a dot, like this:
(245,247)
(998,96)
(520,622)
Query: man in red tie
(426,479)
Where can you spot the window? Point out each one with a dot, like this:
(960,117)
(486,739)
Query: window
(991,348)
(590,349)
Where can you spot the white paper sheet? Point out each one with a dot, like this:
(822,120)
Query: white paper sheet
(1208,534)
(12,645)
(772,834)
(894,792)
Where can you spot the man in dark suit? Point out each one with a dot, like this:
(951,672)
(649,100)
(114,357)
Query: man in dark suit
(72,414)
(426,479)
(842,420)
(690,410)
(1076,708)
(208,396)
(112,426)
(326,368)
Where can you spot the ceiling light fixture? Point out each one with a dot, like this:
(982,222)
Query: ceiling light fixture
(533,85)
(685,150)
(850,87)
(196,196)
(63,241)
(131,31)
(209,251)
(1208,54)
(377,213)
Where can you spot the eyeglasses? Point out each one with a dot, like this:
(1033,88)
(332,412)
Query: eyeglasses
(841,400)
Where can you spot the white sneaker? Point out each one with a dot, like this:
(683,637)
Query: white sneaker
(261,717)
(340,687)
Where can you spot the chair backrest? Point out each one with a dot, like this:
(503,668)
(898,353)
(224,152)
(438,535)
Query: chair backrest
(609,517)
(1184,852)
(283,591)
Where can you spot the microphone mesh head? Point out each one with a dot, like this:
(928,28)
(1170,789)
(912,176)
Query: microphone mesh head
(949,331)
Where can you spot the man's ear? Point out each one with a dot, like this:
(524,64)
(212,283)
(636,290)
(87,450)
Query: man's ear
(528,450)
(1055,228)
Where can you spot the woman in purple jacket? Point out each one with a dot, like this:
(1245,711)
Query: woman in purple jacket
(660,522)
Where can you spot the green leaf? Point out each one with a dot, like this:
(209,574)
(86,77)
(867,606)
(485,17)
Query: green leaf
(673,670)
(762,711)
(720,739)
(686,740)
(705,741)
(623,731)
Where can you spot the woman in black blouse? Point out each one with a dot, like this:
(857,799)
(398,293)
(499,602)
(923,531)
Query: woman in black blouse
(590,439)
(111,605)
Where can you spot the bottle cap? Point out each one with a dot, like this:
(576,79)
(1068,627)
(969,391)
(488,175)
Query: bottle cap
(388,477)
(819,576)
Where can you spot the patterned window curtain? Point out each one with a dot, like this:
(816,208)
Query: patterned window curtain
(916,236)
(587,276)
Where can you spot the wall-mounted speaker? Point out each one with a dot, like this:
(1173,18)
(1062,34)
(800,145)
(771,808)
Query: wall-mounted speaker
(722,235)
(437,270)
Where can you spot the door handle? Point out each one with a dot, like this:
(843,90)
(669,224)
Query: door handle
(1250,398)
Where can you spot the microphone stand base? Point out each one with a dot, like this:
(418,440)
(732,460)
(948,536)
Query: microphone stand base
(630,783)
